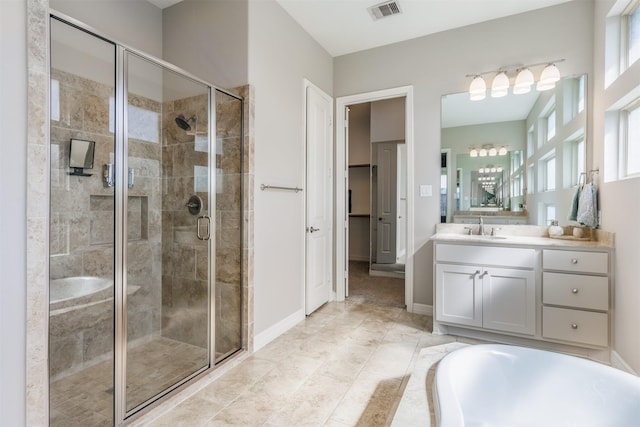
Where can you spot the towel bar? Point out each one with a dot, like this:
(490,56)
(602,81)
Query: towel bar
(275,187)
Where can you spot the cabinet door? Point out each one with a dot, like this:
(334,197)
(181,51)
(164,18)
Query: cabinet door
(459,294)
(509,300)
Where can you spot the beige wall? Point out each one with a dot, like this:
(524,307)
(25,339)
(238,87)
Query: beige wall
(437,65)
(134,23)
(281,55)
(208,39)
(619,202)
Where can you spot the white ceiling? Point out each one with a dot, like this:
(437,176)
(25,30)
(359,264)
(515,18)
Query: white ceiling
(164,3)
(345,26)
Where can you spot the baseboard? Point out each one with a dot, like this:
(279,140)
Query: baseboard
(268,335)
(618,362)
(424,309)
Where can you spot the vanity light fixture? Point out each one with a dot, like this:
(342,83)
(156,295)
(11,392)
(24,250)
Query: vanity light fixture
(487,150)
(524,80)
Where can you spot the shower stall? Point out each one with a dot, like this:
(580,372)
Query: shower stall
(145,252)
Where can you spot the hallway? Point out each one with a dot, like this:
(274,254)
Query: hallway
(382,291)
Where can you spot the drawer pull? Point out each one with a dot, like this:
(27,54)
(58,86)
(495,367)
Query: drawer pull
(574,326)
(574,260)
(574,290)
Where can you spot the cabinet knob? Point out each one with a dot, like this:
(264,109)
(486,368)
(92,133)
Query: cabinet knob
(574,260)
(574,326)
(574,290)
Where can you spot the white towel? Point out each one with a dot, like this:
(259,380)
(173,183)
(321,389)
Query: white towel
(588,206)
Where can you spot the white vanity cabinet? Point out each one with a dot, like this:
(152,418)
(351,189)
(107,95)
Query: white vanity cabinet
(486,287)
(575,296)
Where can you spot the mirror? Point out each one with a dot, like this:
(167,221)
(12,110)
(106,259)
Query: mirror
(81,156)
(515,159)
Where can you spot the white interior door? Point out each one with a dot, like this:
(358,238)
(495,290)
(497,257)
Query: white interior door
(387,210)
(319,206)
(401,204)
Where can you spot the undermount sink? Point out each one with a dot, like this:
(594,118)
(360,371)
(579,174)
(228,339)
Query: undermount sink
(486,236)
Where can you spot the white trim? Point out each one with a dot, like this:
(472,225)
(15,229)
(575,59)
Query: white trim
(273,332)
(423,309)
(618,362)
(341,173)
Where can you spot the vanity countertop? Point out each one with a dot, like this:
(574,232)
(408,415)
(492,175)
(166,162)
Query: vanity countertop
(521,236)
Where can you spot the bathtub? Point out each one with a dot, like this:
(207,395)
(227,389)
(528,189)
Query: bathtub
(75,291)
(500,385)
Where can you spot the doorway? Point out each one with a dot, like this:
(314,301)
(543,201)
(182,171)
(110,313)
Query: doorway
(375,206)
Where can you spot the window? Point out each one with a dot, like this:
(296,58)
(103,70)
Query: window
(550,122)
(581,92)
(549,214)
(632,139)
(632,33)
(576,161)
(55,100)
(530,143)
(548,170)
(516,185)
(531,179)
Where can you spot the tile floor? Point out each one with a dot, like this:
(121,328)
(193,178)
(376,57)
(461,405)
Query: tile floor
(384,291)
(345,365)
(85,399)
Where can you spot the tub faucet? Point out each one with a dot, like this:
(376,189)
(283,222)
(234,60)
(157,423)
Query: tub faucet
(481,227)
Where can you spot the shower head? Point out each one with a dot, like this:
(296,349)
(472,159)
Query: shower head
(183,123)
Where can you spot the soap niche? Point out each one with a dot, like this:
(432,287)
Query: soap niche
(102,219)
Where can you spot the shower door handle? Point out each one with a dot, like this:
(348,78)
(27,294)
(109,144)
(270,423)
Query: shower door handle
(199,225)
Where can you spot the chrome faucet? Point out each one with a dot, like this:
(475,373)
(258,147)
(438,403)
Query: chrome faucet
(481,227)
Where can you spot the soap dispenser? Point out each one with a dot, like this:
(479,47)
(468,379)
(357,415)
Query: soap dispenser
(554,229)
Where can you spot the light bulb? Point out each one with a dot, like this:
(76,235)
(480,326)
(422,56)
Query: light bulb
(500,85)
(473,152)
(502,151)
(493,152)
(548,78)
(482,152)
(477,89)
(523,83)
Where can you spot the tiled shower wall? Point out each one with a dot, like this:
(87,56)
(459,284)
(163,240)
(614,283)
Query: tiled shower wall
(82,225)
(184,256)
(161,232)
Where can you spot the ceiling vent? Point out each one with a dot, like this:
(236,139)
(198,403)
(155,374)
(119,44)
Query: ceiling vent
(385,9)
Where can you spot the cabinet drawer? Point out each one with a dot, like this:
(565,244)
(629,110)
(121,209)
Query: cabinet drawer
(584,262)
(486,255)
(575,290)
(582,327)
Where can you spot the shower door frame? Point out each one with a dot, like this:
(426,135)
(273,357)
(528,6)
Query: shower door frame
(120,221)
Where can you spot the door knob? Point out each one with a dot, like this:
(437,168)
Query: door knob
(311,229)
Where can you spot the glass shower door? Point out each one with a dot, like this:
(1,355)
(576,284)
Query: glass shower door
(168,230)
